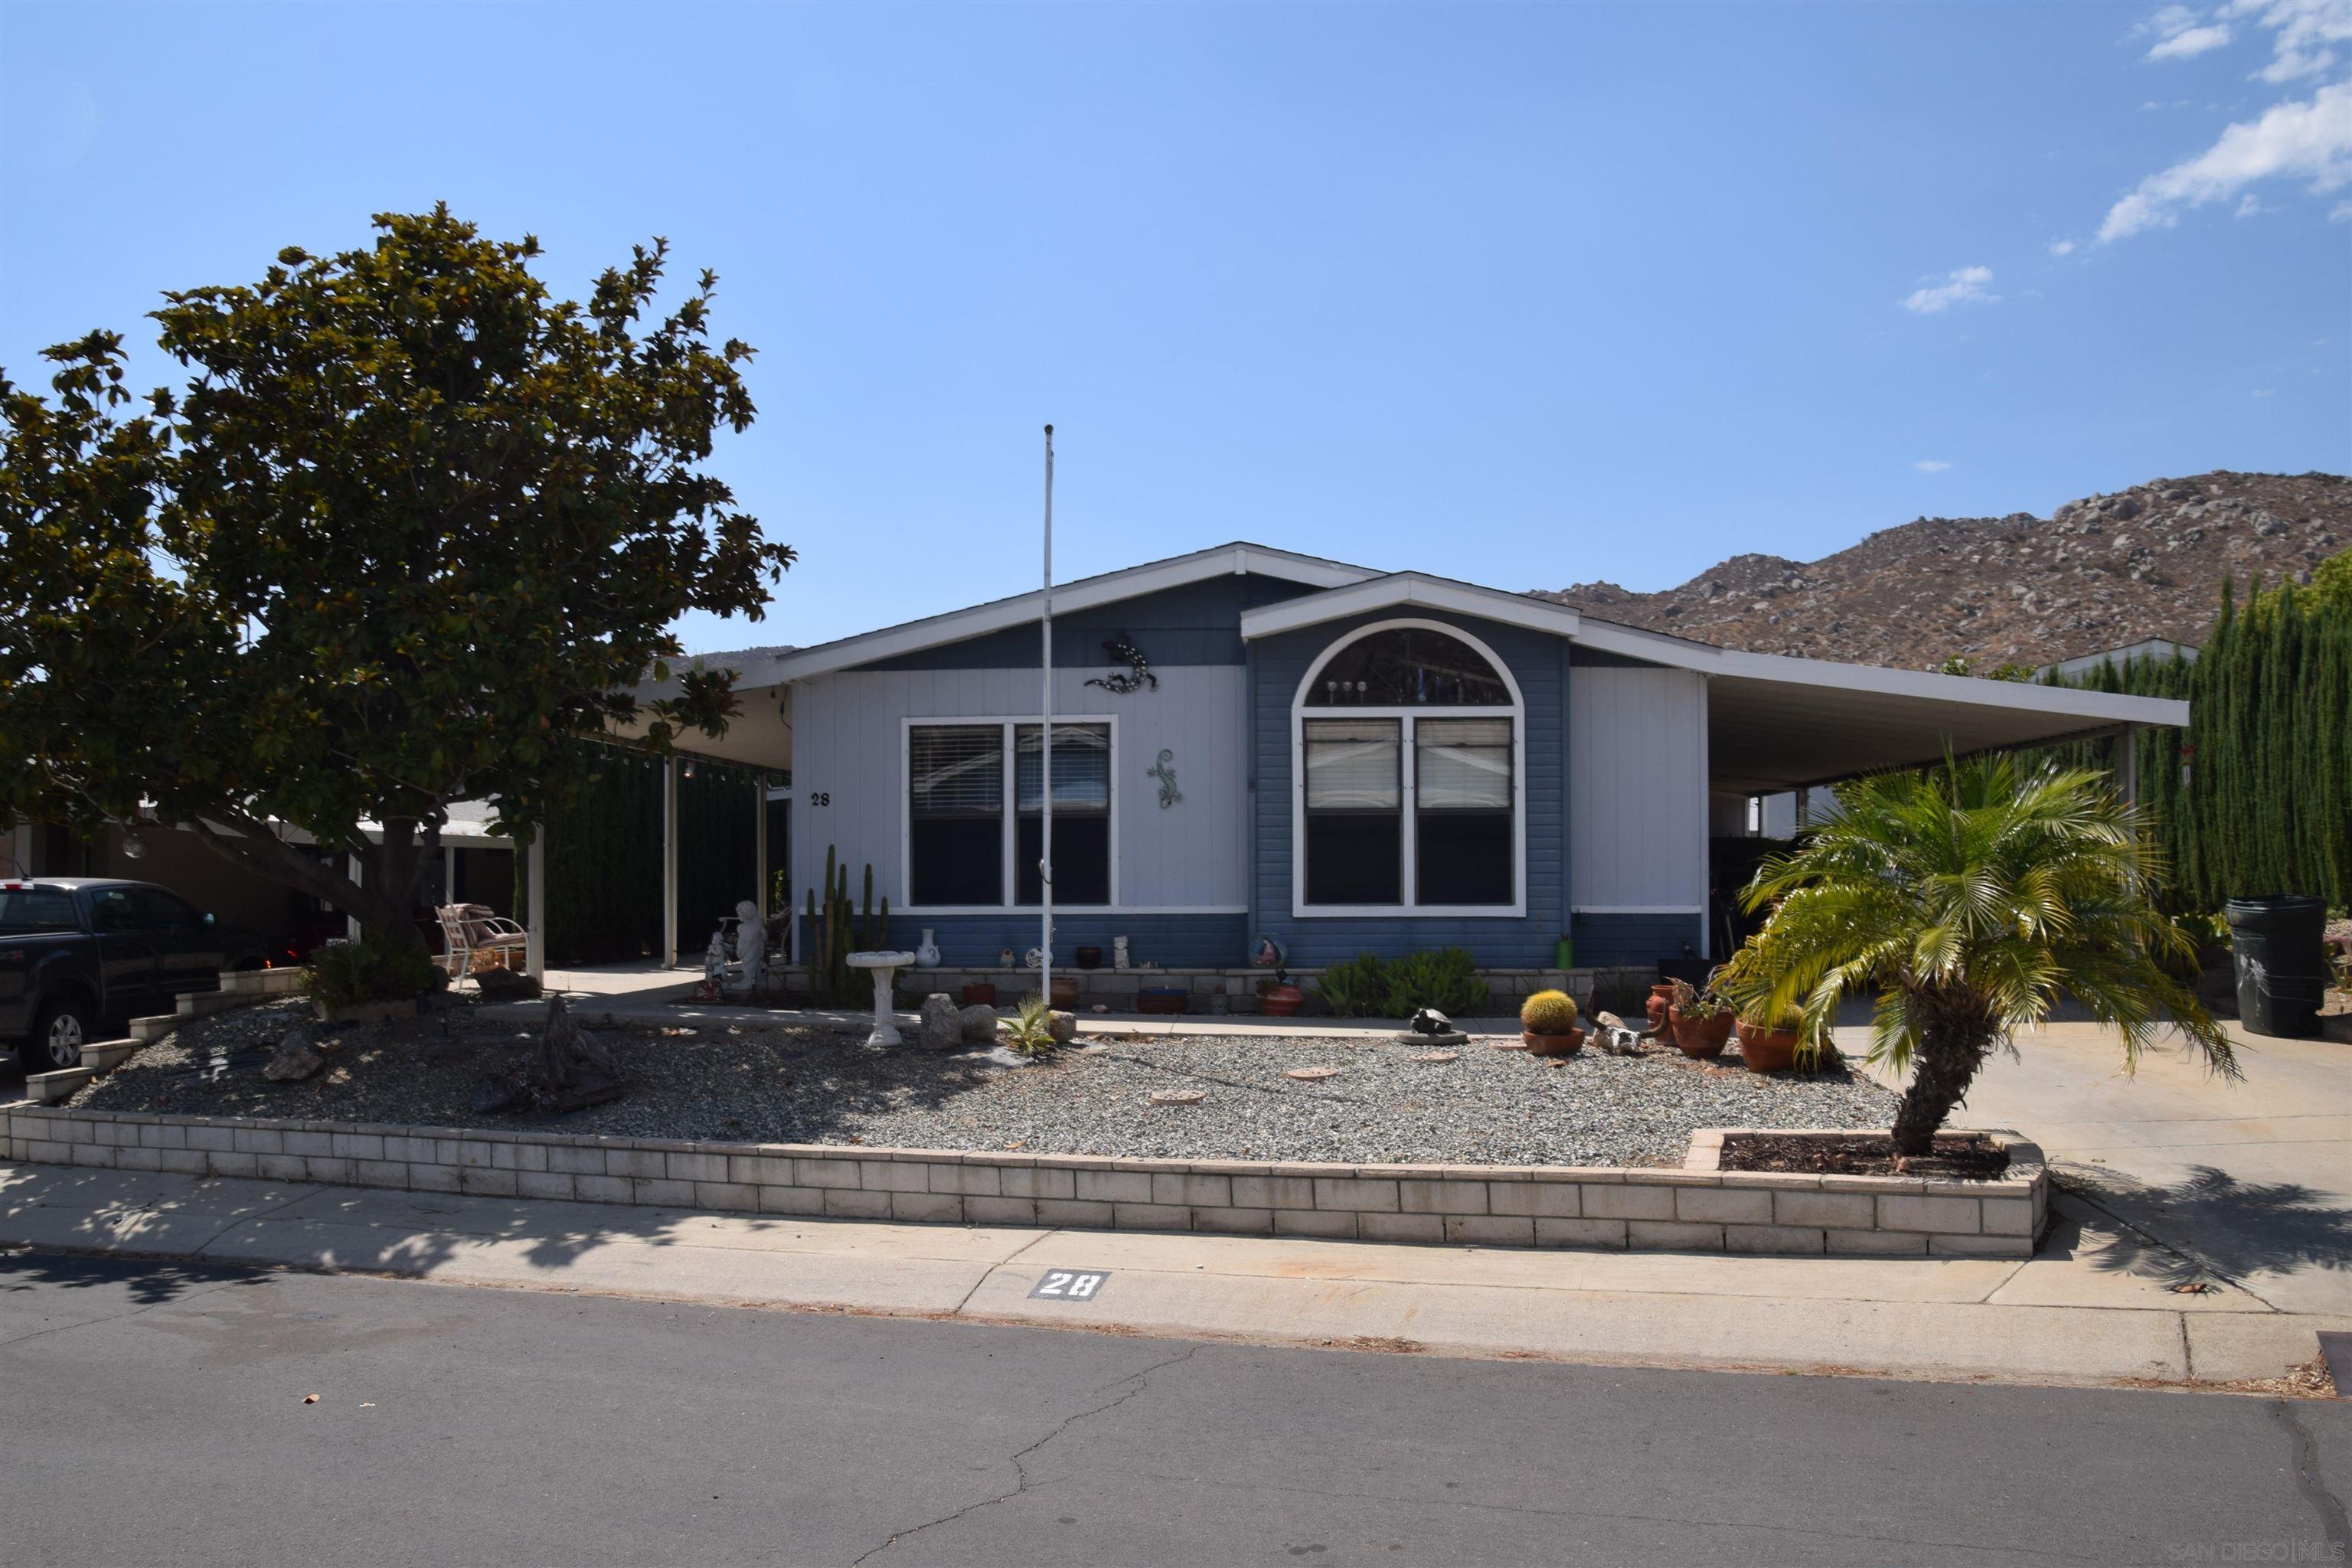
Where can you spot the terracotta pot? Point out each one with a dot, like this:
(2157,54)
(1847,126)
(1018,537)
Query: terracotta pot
(982,996)
(1768,1050)
(1089,958)
(1700,1038)
(1566,1045)
(1065,994)
(1660,998)
(1162,999)
(1280,1001)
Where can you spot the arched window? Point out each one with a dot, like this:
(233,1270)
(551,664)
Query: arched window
(1409,792)
(1408,666)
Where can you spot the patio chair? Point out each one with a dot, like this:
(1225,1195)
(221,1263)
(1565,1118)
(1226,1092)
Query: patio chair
(474,937)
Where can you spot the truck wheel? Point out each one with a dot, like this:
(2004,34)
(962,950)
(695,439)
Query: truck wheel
(58,1031)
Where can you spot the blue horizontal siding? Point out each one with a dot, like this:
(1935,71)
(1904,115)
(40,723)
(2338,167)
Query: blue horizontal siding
(1199,623)
(1172,942)
(1632,939)
(1536,662)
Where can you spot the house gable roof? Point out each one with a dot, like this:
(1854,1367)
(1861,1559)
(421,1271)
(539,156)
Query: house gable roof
(1401,590)
(934,631)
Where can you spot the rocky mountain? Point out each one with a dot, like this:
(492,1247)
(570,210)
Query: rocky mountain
(2099,572)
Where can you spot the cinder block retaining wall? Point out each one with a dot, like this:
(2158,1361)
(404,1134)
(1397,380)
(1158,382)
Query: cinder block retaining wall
(1222,991)
(1689,1210)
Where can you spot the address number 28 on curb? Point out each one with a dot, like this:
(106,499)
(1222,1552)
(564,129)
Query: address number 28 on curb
(1070,1284)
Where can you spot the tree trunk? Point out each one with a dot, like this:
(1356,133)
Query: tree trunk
(392,920)
(1947,1063)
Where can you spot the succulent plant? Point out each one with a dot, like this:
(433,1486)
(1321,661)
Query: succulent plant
(1548,1013)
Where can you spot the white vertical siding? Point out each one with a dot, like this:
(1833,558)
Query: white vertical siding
(846,733)
(1637,788)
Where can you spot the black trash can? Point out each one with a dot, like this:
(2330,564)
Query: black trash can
(2282,962)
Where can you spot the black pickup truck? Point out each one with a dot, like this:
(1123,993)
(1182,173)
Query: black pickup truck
(80,952)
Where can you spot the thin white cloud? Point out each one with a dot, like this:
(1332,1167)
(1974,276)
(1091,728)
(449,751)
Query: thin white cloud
(1964,285)
(2190,42)
(2249,205)
(2292,140)
(2062,247)
(1930,466)
(2266,392)
(2340,213)
(2304,33)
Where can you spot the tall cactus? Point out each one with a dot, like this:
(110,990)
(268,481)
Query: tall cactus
(836,929)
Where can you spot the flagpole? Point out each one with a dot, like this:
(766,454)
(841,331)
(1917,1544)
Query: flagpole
(1045,754)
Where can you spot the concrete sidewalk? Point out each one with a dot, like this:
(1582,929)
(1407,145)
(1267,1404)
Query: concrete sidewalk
(2096,1308)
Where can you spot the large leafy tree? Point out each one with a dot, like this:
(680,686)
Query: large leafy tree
(408,535)
(1969,899)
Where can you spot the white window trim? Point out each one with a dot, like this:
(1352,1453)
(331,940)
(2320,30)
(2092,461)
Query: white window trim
(1409,767)
(906,904)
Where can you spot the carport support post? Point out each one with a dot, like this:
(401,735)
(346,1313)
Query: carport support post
(358,875)
(760,848)
(2127,763)
(669,862)
(534,948)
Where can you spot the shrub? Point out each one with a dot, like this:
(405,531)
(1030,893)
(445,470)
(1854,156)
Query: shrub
(1548,1013)
(345,974)
(1355,987)
(1446,980)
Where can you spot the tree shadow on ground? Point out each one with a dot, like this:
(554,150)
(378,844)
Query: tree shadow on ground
(2211,1222)
(147,1282)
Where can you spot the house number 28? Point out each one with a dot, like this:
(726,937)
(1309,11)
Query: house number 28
(1070,1284)
(820,798)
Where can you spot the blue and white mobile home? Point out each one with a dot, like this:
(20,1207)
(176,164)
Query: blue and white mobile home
(1249,741)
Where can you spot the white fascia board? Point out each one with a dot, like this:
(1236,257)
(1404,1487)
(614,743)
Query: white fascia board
(2098,706)
(1410,588)
(1085,593)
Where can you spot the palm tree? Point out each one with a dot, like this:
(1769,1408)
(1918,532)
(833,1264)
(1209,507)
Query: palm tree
(1968,897)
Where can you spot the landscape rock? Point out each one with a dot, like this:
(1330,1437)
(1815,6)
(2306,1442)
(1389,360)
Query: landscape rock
(1064,1026)
(979,1025)
(506,985)
(941,1023)
(296,1058)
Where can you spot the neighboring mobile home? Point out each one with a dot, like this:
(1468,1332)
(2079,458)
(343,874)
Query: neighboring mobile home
(1251,742)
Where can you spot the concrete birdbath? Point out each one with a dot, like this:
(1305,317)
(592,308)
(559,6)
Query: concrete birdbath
(884,966)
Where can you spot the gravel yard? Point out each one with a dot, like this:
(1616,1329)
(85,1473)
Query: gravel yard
(822,1085)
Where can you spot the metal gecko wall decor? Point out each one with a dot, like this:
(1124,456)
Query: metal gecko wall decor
(1123,650)
(1169,794)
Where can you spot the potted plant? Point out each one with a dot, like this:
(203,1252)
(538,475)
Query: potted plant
(1701,1020)
(1772,1046)
(1661,997)
(1547,1024)
(1279,998)
(979,993)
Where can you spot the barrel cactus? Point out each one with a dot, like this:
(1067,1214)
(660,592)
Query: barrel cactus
(1548,1013)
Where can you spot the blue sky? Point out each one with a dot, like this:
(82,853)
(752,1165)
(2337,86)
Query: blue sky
(1528,296)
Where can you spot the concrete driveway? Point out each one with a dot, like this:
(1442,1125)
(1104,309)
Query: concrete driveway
(2253,1179)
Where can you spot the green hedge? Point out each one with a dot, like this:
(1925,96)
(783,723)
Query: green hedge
(604,858)
(2255,797)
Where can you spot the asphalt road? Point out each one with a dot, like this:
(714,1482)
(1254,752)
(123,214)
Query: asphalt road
(154,1413)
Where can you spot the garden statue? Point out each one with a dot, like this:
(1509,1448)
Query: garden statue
(1431,1027)
(714,967)
(750,943)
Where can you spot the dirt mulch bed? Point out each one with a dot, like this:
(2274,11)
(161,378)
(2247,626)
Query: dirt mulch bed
(1961,1156)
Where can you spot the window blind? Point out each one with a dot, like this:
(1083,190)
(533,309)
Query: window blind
(1352,765)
